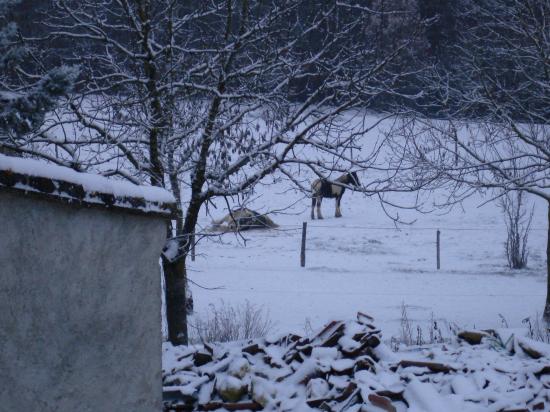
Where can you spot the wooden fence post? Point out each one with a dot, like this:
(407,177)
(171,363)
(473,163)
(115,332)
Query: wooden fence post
(438,249)
(303,249)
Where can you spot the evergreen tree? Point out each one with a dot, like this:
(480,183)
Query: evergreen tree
(27,90)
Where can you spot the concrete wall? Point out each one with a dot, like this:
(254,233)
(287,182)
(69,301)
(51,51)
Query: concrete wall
(79,308)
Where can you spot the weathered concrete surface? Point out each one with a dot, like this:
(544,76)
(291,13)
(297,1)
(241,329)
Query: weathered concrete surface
(79,308)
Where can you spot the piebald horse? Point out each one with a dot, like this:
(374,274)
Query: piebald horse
(321,188)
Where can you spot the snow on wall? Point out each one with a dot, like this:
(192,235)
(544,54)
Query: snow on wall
(95,188)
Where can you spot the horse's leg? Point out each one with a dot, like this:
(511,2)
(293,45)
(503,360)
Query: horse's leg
(319,200)
(338,213)
(313,201)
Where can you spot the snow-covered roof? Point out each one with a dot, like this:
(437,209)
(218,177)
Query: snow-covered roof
(36,176)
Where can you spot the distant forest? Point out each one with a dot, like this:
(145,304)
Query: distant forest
(440,43)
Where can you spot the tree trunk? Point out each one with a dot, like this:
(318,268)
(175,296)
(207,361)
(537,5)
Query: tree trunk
(547,306)
(176,311)
(175,185)
(175,273)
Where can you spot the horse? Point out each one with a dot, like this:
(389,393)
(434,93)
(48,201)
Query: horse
(321,188)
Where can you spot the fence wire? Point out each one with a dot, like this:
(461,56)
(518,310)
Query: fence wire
(405,228)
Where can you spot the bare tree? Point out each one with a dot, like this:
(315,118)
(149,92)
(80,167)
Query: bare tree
(494,135)
(518,224)
(207,99)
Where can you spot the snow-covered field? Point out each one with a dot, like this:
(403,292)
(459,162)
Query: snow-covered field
(361,262)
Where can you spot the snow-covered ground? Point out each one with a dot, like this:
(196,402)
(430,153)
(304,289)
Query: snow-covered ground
(361,262)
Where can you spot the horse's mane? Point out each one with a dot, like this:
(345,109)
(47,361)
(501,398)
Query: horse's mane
(349,178)
(344,177)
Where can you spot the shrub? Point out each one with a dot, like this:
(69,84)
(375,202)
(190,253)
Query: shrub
(225,322)
(518,225)
(415,335)
(537,329)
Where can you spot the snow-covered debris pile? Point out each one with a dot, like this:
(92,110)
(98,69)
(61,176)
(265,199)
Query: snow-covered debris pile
(346,367)
(243,219)
(60,182)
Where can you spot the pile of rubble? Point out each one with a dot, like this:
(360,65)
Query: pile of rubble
(241,219)
(346,367)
